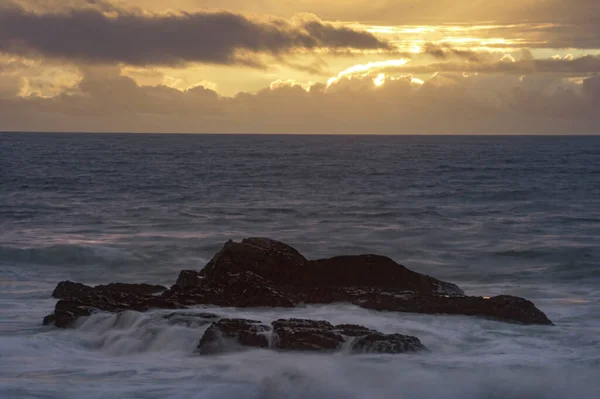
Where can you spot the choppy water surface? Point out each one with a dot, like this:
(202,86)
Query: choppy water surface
(513,215)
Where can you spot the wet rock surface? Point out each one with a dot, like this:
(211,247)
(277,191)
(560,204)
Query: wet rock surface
(259,272)
(69,289)
(302,335)
(241,331)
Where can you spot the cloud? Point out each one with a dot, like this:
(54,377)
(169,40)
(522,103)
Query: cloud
(105,100)
(140,38)
(588,64)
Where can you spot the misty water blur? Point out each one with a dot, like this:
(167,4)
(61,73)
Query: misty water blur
(512,215)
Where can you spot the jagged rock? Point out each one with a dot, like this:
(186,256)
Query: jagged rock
(244,332)
(306,335)
(68,289)
(303,335)
(69,309)
(190,320)
(259,272)
(188,279)
(387,343)
(243,289)
(505,308)
(270,259)
(372,271)
(283,265)
(246,289)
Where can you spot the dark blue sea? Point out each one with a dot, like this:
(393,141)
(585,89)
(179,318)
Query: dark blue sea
(512,215)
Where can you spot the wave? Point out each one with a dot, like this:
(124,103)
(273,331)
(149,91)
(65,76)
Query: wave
(484,367)
(151,355)
(133,332)
(164,258)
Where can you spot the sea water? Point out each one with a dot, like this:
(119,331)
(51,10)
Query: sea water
(511,215)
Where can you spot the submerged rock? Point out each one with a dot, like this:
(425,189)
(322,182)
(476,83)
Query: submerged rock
(241,331)
(67,310)
(302,335)
(190,319)
(306,335)
(259,272)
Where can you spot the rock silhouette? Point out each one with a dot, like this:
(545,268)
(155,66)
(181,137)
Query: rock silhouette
(260,272)
(303,335)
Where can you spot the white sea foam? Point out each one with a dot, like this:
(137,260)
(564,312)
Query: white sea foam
(148,355)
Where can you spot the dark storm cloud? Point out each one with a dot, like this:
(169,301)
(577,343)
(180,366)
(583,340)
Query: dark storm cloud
(147,39)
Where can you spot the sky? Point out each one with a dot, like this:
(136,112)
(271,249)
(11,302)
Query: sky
(301,66)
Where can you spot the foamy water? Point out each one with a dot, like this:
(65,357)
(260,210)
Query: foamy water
(517,216)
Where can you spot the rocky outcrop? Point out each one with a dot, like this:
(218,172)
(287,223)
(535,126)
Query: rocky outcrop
(302,335)
(190,319)
(504,307)
(269,259)
(284,266)
(258,272)
(68,289)
(243,332)
(67,310)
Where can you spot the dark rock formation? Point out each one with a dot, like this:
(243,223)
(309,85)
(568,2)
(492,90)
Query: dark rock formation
(306,335)
(187,280)
(269,259)
(69,309)
(259,272)
(372,271)
(504,307)
(190,319)
(243,332)
(303,335)
(282,265)
(68,289)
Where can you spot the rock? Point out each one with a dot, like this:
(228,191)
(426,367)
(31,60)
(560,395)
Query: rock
(311,335)
(281,264)
(504,308)
(69,309)
(306,335)
(244,332)
(387,343)
(259,272)
(190,320)
(68,289)
(243,289)
(372,271)
(269,259)
(188,279)
(246,289)
(303,335)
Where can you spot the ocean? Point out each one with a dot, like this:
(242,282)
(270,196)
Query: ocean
(515,215)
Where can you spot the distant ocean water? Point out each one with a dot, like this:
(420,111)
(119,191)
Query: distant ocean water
(512,215)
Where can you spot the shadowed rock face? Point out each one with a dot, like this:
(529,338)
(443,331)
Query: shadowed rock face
(259,272)
(303,335)
(68,289)
(68,310)
(270,259)
(504,307)
(372,271)
(244,332)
